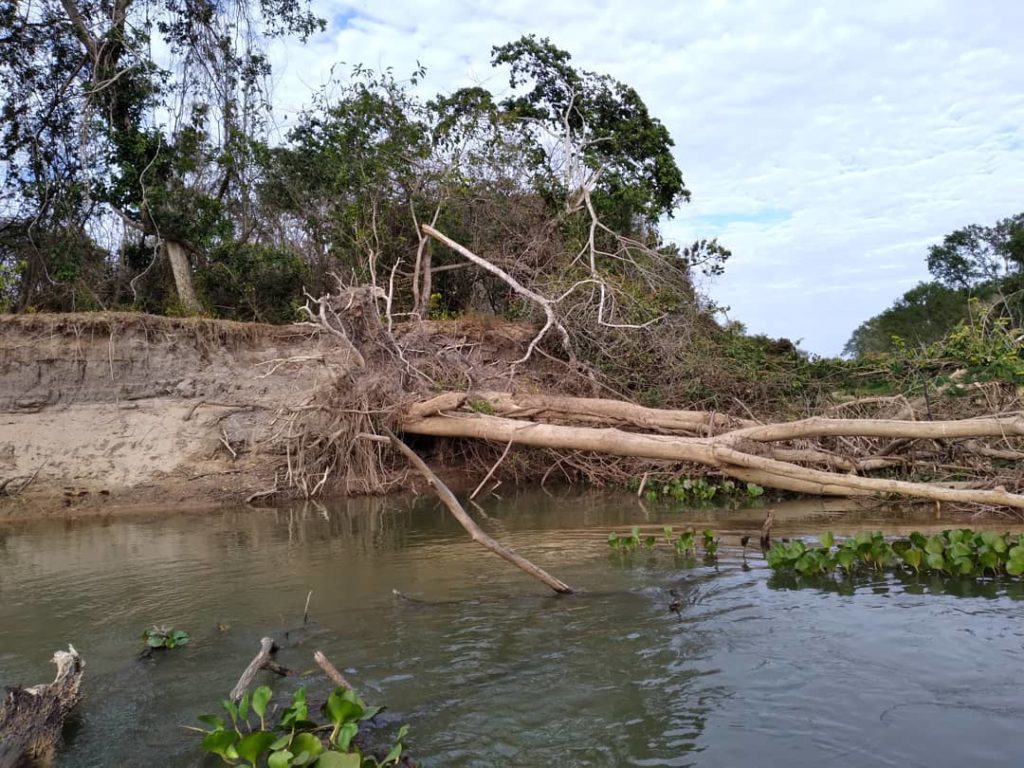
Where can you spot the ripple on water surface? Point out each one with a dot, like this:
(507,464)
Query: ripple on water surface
(489,669)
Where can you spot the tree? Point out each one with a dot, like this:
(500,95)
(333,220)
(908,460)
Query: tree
(96,130)
(976,253)
(923,315)
(597,131)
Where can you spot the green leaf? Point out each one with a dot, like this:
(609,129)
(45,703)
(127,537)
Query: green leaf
(180,637)
(282,759)
(155,641)
(282,742)
(913,557)
(306,743)
(827,539)
(251,746)
(989,560)
(1015,567)
(338,760)
(243,706)
(260,699)
(341,709)
(345,735)
(219,742)
(217,723)
(935,546)
(394,754)
(936,561)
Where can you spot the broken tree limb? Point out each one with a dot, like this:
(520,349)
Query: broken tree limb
(548,305)
(330,670)
(474,531)
(258,662)
(31,719)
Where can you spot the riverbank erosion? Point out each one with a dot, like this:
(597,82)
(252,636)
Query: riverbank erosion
(107,410)
(102,409)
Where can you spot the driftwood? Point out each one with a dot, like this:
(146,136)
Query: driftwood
(260,661)
(330,670)
(742,450)
(31,719)
(474,531)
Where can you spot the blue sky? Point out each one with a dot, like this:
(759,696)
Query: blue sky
(826,144)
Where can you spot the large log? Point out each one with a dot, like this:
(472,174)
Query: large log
(726,451)
(31,719)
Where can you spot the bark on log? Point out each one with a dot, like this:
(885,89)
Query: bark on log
(474,531)
(31,719)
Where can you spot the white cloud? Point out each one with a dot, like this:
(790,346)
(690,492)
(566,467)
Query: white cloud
(866,130)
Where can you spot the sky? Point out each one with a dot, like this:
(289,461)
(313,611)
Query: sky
(826,144)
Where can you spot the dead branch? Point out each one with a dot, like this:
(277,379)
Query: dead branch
(548,305)
(330,670)
(474,531)
(31,719)
(490,472)
(258,662)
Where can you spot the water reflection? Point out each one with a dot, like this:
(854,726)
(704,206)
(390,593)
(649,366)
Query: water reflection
(490,669)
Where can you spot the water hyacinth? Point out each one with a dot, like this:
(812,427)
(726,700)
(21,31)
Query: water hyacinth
(955,552)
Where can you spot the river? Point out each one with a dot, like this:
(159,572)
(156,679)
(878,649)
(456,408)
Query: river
(490,669)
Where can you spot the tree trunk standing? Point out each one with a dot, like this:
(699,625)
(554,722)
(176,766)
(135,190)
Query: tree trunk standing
(31,719)
(182,276)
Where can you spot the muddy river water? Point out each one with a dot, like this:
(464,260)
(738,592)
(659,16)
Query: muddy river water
(490,669)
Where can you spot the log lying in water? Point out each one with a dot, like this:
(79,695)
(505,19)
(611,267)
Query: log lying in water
(742,451)
(31,719)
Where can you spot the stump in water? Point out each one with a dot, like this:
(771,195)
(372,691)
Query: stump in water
(31,719)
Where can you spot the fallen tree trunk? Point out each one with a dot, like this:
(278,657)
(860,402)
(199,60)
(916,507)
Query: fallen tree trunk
(739,453)
(609,413)
(31,719)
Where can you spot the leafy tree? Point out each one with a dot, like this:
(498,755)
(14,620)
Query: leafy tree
(598,132)
(923,315)
(95,130)
(976,253)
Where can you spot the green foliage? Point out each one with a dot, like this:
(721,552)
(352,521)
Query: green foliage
(606,120)
(685,544)
(979,277)
(481,406)
(923,315)
(956,552)
(295,740)
(241,281)
(165,637)
(696,490)
(977,254)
